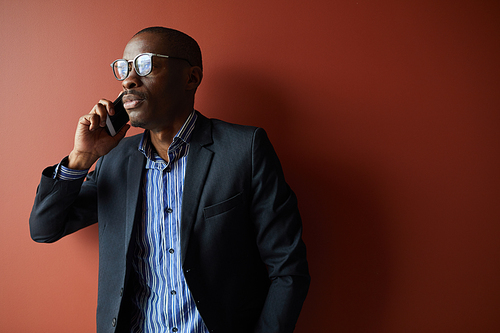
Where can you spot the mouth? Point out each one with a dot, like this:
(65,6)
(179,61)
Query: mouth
(132,100)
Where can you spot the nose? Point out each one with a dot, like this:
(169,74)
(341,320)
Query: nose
(133,80)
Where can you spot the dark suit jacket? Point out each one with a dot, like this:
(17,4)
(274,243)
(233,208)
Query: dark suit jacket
(241,247)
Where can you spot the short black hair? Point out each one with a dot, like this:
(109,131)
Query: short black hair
(180,44)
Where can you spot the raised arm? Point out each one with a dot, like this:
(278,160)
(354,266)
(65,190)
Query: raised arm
(63,206)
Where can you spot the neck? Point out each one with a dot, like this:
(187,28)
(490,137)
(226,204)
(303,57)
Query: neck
(162,138)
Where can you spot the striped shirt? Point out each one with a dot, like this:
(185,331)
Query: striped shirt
(163,298)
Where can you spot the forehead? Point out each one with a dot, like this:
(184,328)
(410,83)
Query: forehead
(145,42)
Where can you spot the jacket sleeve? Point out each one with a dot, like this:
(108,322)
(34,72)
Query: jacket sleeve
(279,239)
(62,207)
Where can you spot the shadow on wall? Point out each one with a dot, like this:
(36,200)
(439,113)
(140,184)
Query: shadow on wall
(341,205)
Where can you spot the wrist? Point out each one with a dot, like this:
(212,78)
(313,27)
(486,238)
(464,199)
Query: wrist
(80,161)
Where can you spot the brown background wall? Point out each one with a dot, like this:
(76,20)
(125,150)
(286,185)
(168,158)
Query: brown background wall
(385,115)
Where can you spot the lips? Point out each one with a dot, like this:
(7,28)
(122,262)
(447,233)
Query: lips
(132,100)
(131,104)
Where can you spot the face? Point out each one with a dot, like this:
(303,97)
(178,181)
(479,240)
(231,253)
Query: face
(160,99)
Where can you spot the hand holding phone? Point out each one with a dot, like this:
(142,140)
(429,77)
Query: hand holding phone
(115,122)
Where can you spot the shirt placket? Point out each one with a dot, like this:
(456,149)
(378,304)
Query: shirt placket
(170,194)
(163,258)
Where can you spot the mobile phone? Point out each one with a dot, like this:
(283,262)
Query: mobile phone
(115,122)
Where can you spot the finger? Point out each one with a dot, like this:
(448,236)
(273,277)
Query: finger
(121,134)
(91,121)
(108,105)
(101,111)
(85,120)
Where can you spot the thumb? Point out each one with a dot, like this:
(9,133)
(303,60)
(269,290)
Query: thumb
(121,134)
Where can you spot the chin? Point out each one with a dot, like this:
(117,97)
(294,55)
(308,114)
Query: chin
(135,123)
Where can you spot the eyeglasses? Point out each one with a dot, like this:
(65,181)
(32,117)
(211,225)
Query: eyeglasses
(143,65)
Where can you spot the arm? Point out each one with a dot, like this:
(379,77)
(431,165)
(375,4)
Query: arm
(279,230)
(64,206)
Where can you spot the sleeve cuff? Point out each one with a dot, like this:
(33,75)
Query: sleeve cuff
(63,173)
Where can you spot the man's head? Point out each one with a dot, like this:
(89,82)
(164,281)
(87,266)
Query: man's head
(166,95)
(180,45)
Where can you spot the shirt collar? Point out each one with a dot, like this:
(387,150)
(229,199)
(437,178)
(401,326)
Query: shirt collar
(181,139)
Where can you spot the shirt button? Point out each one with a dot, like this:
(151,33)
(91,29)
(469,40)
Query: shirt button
(174,329)
(168,169)
(173,292)
(169,210)
(121,292)
(171,250)
(113,322)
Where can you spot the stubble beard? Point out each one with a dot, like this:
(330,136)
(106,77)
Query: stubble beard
(136,123)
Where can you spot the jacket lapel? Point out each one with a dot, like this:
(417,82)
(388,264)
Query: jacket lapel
(198,164)
(134,175)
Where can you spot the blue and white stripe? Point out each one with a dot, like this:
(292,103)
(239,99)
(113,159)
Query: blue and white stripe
(163,297)
(61,172)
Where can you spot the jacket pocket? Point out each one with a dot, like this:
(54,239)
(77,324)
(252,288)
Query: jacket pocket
(223,206)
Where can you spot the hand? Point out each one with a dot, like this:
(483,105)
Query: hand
(91,139)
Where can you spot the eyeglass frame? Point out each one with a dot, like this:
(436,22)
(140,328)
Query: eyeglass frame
(135,67)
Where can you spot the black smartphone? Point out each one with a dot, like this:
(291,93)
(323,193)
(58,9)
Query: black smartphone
(115,122)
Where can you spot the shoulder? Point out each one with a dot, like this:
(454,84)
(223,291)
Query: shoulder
(220,130)
(232,141)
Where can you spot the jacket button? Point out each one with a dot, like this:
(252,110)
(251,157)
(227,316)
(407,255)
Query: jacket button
(113,322)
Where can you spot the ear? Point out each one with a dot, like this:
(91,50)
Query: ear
(194,78)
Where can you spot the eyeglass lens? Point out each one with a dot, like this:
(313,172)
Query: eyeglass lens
(142,64)
(120,69)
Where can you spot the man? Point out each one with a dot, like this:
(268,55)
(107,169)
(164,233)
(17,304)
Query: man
(198,230)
